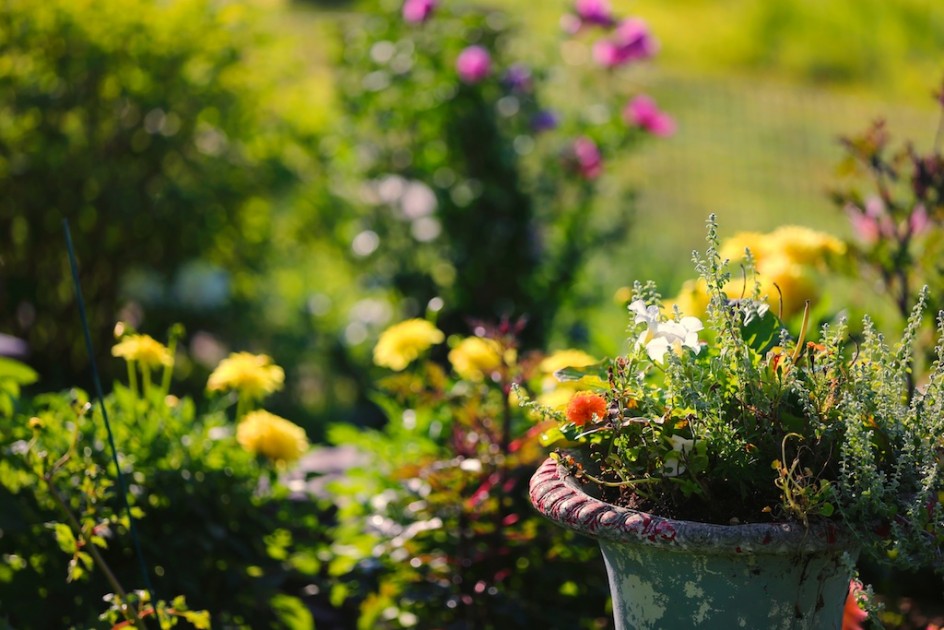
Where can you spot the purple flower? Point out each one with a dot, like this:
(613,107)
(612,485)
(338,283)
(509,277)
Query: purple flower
(595,12)
(544,120)
(518,78)
(418,11)
(632,41)
(643,112)
(474,64)
(587,158)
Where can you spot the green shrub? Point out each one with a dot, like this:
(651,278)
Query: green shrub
(458,191)
(148,127)
(215,523)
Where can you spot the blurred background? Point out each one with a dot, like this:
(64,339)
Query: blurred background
(291,178)
(205,155)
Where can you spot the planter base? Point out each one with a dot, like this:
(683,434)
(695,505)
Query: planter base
(671,574)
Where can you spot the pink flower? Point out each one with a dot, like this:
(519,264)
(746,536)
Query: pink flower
(872,223)
(595,12)
(631,41)
(418,11)
(643,112)
(474,64)
(919,221)
(587,158)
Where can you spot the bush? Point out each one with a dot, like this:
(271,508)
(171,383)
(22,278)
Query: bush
(148,128)
(215,524)
(466,192)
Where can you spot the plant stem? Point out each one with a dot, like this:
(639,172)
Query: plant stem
(96,556)
(620,484)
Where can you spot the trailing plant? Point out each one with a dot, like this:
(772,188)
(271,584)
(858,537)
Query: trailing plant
(735,420)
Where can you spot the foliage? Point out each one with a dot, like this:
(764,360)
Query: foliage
(791,263)
(214,523)
(898,221)
(148,127)
(754,425)
(436,530)
(465,191)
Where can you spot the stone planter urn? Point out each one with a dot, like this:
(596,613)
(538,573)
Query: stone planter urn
(667,574)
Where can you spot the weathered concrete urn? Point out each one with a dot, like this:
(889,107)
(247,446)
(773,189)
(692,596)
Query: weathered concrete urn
(669,574)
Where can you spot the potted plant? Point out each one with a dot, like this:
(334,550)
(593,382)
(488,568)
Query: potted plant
(732,473)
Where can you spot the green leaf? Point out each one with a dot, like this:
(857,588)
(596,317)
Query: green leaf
(598,370)
(292,612)
(64,538)
(199,619)
(551,436)
(17,372)
(761,332)
(827,509)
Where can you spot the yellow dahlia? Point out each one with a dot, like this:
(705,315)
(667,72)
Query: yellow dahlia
(274,437)
(144,350)
(402,343)
(474,358)
(254,376)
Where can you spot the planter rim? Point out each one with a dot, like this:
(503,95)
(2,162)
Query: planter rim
(558,495)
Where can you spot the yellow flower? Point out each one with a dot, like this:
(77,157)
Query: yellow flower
(565,358)
(794,280)
(252,375)
(474,357)
(400,344)
(733,248)
(692,299)
(558,398)
(805,246)
(144,349)
(267,434)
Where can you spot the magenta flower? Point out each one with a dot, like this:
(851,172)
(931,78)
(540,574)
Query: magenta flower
(474,64)
(587,158)
(595,12)
(632,41)
(418,11)
(643,112)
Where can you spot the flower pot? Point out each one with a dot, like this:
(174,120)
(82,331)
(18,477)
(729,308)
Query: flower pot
(667,573)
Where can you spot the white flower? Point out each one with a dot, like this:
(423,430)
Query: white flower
(674,466)
(662,336)
(648,314)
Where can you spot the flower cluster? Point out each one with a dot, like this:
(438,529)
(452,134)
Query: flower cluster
(451,467)
(788,264)
(251,377)
(623,43)
(736,420)
(894,199)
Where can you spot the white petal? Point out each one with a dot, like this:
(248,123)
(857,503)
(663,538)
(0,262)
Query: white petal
(657,348)
(692,324)
(682,445)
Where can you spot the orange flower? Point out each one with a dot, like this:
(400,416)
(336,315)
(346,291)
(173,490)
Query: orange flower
(852,615)
(586,407)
